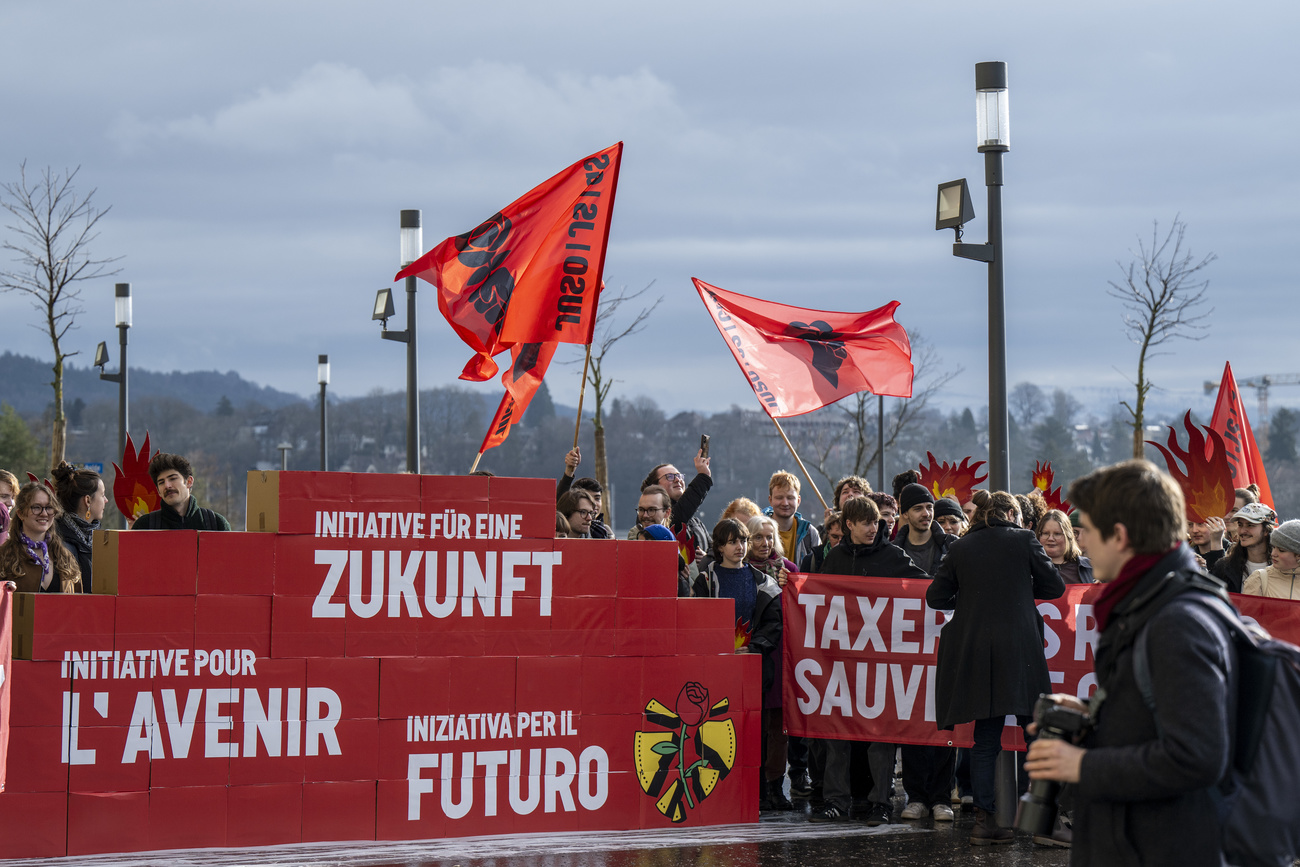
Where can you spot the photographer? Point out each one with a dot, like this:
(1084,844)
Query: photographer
(1145,778)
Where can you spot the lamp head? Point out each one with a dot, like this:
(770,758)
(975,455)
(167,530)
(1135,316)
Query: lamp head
(323,370)
(122,305)
(383,306)
(954,208)
(992,114)
(101,355)
(412,237)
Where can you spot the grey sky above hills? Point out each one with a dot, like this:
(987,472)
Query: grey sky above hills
(256,157)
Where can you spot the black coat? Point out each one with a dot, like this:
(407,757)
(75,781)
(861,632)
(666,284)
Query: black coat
(991,660)
(941,540)
(879,559)
(1144,787)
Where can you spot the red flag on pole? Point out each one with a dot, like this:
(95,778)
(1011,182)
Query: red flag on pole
(531,272)
(530,361)
(6,670)
(798,360)
(1232,424)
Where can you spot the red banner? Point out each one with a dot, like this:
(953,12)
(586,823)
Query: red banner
(1232,424)
(528,366)
(860,655)
(531,273)
(6,667)
(798,360)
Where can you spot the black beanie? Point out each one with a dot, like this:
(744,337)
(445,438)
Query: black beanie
(944,506)
(913,495)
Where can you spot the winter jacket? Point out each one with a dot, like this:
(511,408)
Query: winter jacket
(806,537)
(1144,792)
(878,559)
(78,536)
(598,529)
(937,537)
(194,518)
(990,658)
(764,622)
(683,513)
(1273,583)
(1231,571)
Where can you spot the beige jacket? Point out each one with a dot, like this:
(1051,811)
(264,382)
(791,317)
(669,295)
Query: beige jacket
(1273,583)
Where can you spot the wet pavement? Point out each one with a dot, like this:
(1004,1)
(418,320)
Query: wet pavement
(778,840)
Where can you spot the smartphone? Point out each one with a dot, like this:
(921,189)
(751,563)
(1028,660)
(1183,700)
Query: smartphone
(704,444)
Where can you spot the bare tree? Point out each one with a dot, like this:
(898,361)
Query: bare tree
(853,446)
(1162,291)
(608,333)
(1028,402)
(53,229)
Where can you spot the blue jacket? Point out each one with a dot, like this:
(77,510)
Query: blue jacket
(806,537)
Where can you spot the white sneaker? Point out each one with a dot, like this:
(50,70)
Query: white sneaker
(915,810)
(942,813)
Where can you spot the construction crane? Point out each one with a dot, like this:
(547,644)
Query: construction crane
(1261,385)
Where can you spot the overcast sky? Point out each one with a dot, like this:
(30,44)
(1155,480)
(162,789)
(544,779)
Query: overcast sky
(256,156)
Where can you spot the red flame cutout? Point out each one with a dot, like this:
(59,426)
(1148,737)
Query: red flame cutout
(133,490)
(951,480)
(743,634)
(1043,478)
(1207,482)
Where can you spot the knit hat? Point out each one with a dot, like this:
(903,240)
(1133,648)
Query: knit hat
(1256,513)
(1286,536)
(913,495)
(944,506)
(658,532)
(1075,521)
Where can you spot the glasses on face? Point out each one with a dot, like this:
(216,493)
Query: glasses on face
(651,511)
(38,509)
(671,477)
(586,513)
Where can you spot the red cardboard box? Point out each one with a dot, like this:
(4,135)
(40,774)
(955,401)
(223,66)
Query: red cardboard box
(182,710)
(46,625)
(37,692)
(393,819)
(234,622)
(506,489)
(338,811)
(553,682)
(482,683)
(33,825)
(356,681)
(108,822)
(264,815)
(155,621)
(414,686)
(187,818)
(108,773)
(265,751)
(35,760)
(437,491)
(358,752)
(236,563)
(585,569)
(612,685)
(647,569)
(294,633)
(146,563)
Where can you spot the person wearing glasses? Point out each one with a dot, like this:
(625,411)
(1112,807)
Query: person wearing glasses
(34,557)
(686,499)
(577,507)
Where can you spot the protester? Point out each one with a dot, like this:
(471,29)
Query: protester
(653,507)
(742,509)
(562,529)
(1278,580)
(969,507)
(34,557)
(990,658)
(1251,552)
(8,490)
(918,533)
(765,550)
(845,489)
(888,507)
(174,479)
(597,529)
(1207,539)
(813,561)
(757,610)
(798,536)
(1056,535)
(865,551)
(81,496)
(951,518)
(1146,778)
(902,480)
(577,507)
(686,499)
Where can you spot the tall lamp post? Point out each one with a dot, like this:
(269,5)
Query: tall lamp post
(412,245)
(122,318)
(323,377)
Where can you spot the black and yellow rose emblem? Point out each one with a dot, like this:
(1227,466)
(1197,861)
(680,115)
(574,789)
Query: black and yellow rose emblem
(681,766)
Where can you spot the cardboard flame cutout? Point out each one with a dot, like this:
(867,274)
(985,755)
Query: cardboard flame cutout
(133,490)
(743,634)
(951,480)
(1043,478)
(1207,481)
(680,767)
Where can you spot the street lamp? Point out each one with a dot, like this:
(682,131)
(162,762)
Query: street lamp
(323,377)
(284,447)
(412,244)
(122,318)
(953,211)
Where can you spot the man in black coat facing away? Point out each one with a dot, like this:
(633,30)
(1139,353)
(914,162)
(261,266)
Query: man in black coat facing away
(1145,779)
(866,551)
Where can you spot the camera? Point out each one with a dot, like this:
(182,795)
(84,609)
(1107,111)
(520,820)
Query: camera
(1037,810)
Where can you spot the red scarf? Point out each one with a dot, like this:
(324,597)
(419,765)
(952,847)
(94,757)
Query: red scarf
(1129,575)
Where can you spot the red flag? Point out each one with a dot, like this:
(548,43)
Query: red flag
(798,360)
(530,361)
(531,272)
(6,669)
(1232,424)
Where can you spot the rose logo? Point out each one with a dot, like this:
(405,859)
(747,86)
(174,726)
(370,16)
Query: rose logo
(480,249)
(680,767)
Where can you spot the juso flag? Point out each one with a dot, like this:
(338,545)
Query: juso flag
(531,272)
(798,360)
(529,364)
(1232,424)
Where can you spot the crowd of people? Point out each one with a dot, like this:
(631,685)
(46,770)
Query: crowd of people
(987,560)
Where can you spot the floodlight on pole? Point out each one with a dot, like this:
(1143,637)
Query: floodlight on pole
(122,319)
(410,244)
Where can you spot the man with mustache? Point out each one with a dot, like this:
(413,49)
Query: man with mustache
(174,478)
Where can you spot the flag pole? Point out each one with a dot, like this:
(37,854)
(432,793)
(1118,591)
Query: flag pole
(799,461)
(474,466)
(581,394)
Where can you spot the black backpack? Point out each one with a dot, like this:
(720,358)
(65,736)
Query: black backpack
(1257,801)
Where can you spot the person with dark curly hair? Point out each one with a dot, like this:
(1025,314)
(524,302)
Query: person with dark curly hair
(174,478)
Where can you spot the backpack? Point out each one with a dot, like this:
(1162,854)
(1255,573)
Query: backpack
(1257,803)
